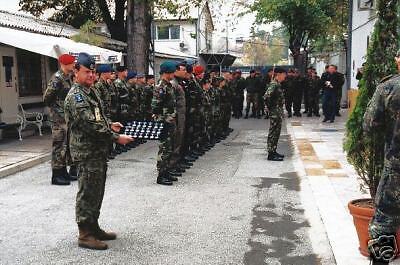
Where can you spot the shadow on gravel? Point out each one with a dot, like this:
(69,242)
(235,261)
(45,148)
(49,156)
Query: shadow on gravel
(282,230)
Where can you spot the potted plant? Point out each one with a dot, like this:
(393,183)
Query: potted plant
(366,151)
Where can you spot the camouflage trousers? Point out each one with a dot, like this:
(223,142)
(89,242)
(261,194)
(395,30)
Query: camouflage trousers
(274,132)
(165,151)
(225,116)
(91,185)
(252,99)
(387,203)
(59,152)
(177,149)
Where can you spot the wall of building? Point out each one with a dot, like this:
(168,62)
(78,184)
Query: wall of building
(187,37)
(363,24)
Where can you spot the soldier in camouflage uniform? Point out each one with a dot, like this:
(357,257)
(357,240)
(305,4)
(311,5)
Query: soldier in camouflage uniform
(382,115)
(91,133)
(274,100)
(147,96)
(124,101)
(56,91)
(106,92)
(313,92)
(164,109)
(180,85)
(102,87)
(238,85)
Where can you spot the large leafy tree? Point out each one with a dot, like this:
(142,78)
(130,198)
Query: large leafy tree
(304,20)
(127,20)
(365,151)
(78,12)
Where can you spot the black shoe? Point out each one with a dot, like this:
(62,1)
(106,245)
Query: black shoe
(338,115)
(280,155)
(189,158)
(164,180)
(174,173)
(197,153)
(246,117)
(331,121)
(325,120)
(73,173)
(184,165)
(289,115)
(274,157)
(170,176)
(309,115)
(317,115)
(59,178)
(180,169)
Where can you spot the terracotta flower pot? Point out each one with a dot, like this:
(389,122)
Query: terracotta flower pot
(362,216)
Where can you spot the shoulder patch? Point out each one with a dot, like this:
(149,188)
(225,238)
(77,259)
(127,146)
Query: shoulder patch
(78,98)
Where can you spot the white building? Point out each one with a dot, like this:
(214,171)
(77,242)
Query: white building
(363,21)
(190,34)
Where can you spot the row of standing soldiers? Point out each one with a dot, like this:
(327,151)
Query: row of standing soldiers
(297,89)
(197,107)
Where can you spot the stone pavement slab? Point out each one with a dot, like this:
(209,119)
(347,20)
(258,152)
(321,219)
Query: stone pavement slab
(16,155)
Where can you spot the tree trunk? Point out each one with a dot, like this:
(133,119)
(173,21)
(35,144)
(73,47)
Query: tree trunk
(138,35)
(299,61)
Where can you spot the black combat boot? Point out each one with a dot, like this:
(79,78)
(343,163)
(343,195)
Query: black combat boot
(163,179)
(73,173)
(59,178)
(280,155)
(274,157)
(173,173)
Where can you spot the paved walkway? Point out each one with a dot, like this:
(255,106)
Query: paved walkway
(18,155)
(322,162)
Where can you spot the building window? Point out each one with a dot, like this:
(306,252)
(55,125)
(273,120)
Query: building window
(171,32)
(29,73)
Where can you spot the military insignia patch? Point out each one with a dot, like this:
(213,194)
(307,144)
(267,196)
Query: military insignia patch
(78,98)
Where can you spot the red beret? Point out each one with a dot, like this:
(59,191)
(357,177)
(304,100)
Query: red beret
(66,59)
(198,69)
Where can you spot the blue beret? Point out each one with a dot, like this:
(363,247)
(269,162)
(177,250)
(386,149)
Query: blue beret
(104,68)
(131,74)
(167,67)
(86,60)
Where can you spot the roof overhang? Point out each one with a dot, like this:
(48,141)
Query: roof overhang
(55,46)
(220,59)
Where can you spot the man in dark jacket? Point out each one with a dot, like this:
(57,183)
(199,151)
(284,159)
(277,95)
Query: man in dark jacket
(332,82)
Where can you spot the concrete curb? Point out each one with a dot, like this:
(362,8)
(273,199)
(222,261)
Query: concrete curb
(25,164)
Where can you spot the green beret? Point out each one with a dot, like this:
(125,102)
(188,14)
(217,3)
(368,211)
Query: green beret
(167,67)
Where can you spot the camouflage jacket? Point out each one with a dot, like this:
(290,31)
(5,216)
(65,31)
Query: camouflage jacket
(382,115)
(103,90)
(147,96)
(89,128)
(215,100)
(163,103)
(54,96)
(314,85)
(114,95)
(274,99)
(123,97)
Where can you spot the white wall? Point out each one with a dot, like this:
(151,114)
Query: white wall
(363,24)
(187,27)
